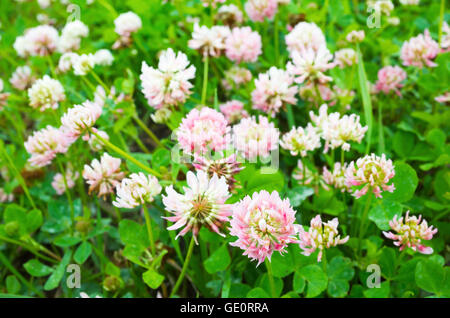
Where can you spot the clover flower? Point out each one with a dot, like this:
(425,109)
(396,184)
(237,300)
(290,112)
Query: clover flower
(272,90)
(345,57)
(356,36)
(66,61)
(390,78)
(235,77)
(83,64)
(233,111)
(226,167)
(310,65)
(338,131)
(410,231)
(58,180)
(202,204)
(305,36)
(136,190)
(372,173)
(445,38)
(161,116)
(419,51)
(203,130)
(103,57)
(44,144)
(243,45)
(263,223)
(209,41)
(318,93)
(320,236)
(410,2)
(3,96)
(230,15)
(78,119)
(301,140)
(381,6)
(444,98)
(104,175)
(46,93)
(38,41)
(169,84)
(212,3)
(255,139)
(22,79)
(125,25)
(258,10)
(71,35)
(336,177)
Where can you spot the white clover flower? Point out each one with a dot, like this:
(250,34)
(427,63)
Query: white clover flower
(209,41)
(103,57)
(136,190)
(39,41)
(301,140)
(71,36)
(66,60)
(78,119)
(305,36)
(22,79)
(46,93)
(83,64)
(310,65)
(95,143)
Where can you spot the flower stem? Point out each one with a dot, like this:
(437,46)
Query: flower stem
(363,220)
(148,223)
(147,131)
(271,280)
(69,197)
(276,41)
(99,80)
(441,20)
(185,267)
(125,155)
(380,128)
(205,80)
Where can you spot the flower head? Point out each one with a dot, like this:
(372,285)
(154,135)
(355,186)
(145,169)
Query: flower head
(301,140)
(58,180)
(356,36)
(372,173)
(320,235)
(253,139)
(169,84)
(104,175)
(226,167)
(263,223)
(336,177)
(345,57)
(420,51)
(305,36)
(258,10)
(203,130)
(310,65)
(3,96)
(411,230)
(22,79)
(272,90)
(39,41)
(44,144)
(209,41)
(235,77)
(233,111)
(46,93)
(103,57)
(95,143)
(303,174)
(243,45)
(390,78)
(136,190)
(83,64)
(71,35)
(78,119)
(230,15)
(202,204)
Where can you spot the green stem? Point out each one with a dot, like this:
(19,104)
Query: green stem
(205,80)
(125,155)
(148,223)
(185,267)
(380,128)
(28,247)
(441,20)
(290,116)
(18,176)
(69,197)
(363,219)
(52,67)
(271,280)
(276,41)
(324,260)
(342,157)
(147,131)
(99,80)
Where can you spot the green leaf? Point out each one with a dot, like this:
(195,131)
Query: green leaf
(265,181)
(83,252)
(67,241)
(152,278)
(18,215)
(282,265)
(12,284)
(388,261)
(239,290)
(37,269)
(405,182)
(299,194)
(430,276)
(133,233)
(340,271)
(403,143)
(382,292)
(265,284)
(384,212)
(58,273)
(366,99)
(316,278)
(298,283)
(257,292)
(218,261)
